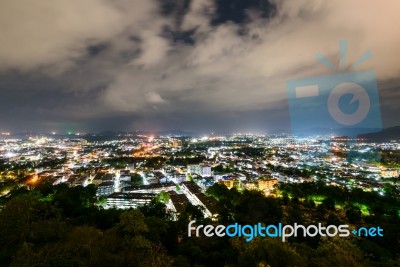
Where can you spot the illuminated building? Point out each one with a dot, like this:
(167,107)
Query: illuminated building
(125,201)
(266,185)
(199,169)
(229,183)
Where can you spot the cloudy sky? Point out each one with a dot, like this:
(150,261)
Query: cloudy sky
(195,65)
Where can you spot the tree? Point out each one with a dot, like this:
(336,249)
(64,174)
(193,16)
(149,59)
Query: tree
(337,251)
(253,207)
(136,179)
(162,197)
(177,188)
(218,191)
(285,198)
(75,200)
(266,252)
(328,203)
(192,212)
(353,214)
(25,219)
(155,209)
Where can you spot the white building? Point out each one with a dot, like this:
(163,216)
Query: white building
(199,169)
(125,201)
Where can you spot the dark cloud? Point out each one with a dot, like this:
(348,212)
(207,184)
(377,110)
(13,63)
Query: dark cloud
(237,10)
(198,65)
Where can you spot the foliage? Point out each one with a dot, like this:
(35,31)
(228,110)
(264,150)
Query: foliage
(69,229)
(162,197)
(136,179)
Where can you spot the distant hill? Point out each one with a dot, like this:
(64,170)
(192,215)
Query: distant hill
(176,133)
(392,133)
(347,131)
(101,136)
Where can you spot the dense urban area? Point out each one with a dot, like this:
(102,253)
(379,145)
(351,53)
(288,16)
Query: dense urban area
(125,199)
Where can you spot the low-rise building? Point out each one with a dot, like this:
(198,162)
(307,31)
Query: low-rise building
(389,173)
(177,203)
(125,201)
(203,170)
(197,197)
(267,185)
(150,188)
(105,189)
(231,182)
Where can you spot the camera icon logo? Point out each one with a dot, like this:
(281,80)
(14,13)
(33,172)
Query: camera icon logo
(359,94)
(347,102)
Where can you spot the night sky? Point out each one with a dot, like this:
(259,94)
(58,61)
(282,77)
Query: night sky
(199,65)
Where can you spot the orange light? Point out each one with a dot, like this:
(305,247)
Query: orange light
(33,181)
